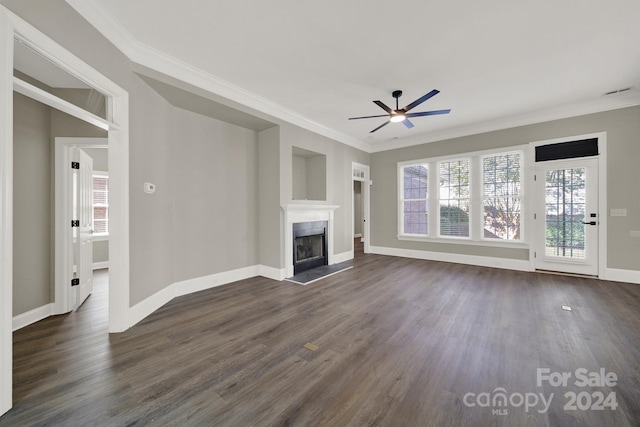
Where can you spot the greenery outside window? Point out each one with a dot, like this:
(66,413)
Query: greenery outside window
(455,198)
(502,196)
(478,197)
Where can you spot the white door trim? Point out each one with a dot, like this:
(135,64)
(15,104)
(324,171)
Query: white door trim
(12,26)
(366,205)
(602,194)
(6,211)
(63,298)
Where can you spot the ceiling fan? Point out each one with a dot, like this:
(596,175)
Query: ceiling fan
(402,114)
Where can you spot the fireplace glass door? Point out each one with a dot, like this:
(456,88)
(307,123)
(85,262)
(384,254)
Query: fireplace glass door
(309,245)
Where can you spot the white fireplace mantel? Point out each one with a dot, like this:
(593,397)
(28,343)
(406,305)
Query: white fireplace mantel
(294,213)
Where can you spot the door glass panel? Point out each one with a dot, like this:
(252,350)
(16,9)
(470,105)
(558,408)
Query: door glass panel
(565,197)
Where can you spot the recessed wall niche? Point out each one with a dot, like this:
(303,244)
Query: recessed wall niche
(309,170)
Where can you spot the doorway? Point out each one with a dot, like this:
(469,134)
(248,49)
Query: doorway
(360,203)
(567,205)
(358,220)
(71,261)
(570,205)
(116,121)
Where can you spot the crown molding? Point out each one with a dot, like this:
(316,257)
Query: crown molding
(551,114)
(98,16)
(95,13)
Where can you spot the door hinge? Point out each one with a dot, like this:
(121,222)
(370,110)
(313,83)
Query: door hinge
(535,255)
(534,177)
(534,216)
(75,282)
(75,165)
(75,223)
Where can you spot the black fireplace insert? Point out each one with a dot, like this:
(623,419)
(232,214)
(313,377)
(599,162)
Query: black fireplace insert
(309,245)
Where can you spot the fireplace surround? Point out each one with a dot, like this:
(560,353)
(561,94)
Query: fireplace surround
(298,213)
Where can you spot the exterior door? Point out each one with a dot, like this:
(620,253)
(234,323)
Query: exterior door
(83,211)
(567,216)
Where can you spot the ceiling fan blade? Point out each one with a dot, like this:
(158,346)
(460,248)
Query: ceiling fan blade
(421,100)
(383,106)
(368,117)
(407,123)
(428,113)
(382,125)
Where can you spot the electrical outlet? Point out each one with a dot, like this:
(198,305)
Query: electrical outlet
(618,212)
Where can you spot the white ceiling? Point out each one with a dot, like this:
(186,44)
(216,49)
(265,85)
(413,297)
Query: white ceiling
(497,63)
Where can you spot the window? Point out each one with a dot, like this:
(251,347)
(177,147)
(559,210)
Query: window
(454,197)
(478,197)
(100,204)
(414,199)
(502,192)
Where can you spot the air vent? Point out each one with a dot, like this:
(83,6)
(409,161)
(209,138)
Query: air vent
(613,92)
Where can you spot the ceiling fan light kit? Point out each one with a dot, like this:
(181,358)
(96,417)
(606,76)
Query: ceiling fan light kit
(397,118)
(402,114)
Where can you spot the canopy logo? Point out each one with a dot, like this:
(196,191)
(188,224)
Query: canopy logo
(594,400)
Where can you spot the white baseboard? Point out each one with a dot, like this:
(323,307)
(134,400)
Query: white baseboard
(100,265)
(344,256)
(620,275)
(272,272)
(483,261)
(149,305)
(33,316)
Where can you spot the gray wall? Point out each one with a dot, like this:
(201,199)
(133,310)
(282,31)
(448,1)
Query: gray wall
(270,218)
(32,205)
(316,178)
(215,196)
(299,171)
(159,252)
(339,187)
(623,139)
(100,158)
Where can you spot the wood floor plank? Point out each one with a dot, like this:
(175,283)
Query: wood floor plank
(400,342)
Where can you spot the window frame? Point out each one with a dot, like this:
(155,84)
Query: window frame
(470,199)
(476,210)
(401,199)
(522,196)
(100,236)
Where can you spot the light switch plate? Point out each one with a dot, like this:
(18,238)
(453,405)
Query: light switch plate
(618,212)
(634,233)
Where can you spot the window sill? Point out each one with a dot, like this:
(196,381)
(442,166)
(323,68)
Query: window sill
(100,237)
(465,241)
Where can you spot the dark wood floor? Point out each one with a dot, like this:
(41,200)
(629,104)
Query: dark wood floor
(400,343)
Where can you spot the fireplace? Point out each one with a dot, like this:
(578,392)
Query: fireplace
(309,245)
(295,213)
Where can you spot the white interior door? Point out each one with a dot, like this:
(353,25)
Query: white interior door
(567,216)
(362,174)
(83,212)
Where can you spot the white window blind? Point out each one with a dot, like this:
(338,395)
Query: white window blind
(414,200)
(454,198)
(100,205)
(502,196)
